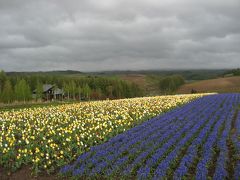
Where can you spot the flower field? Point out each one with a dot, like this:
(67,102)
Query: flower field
(200,140)
(50,137)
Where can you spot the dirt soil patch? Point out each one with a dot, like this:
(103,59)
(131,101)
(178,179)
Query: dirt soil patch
(25,173)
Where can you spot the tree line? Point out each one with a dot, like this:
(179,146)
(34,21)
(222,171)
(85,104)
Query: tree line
(170,84)
(234,72)
(20,87)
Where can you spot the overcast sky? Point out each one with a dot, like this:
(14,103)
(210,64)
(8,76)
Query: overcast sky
(95,35)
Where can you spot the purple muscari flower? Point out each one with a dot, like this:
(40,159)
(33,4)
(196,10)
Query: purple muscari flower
(66,169)
(143,173)
(79,171)
(237,171)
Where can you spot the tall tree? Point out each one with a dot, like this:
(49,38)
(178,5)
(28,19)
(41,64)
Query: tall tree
(22,91)
(110,91)
(17,91)
(39,90)
(73,89)
(79,89)
(99,93)
(86,91)
(3,78)
(66,89)
(7,93)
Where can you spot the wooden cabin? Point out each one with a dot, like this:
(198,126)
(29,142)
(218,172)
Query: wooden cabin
(51,92)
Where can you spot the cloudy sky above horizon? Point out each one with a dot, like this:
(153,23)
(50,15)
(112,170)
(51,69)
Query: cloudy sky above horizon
(95,35)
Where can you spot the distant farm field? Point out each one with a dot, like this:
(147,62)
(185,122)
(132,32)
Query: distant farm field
(222,85)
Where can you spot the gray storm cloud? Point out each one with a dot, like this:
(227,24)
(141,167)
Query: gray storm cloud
(93,35)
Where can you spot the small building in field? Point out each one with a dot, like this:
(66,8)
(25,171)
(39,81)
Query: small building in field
(58,94)
(50,92)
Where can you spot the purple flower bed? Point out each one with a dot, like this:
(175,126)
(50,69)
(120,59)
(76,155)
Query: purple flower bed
(190,141)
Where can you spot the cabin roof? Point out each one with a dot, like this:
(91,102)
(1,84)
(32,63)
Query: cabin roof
(47,87)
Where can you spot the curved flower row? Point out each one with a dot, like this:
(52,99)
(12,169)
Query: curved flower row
(236,142)
(221,167)
(216,140)
(190,141)
(192,151)
(50,137)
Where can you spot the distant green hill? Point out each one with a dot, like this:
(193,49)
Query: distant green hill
(67,72)
(187,74)
(234,72)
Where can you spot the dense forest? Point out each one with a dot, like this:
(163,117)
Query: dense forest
(19,87)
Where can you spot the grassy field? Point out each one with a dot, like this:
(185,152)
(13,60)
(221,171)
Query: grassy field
(221,85)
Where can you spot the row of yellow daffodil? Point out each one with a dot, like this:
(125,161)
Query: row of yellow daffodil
(50,137)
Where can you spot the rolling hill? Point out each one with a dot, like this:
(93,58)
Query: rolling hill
(221,85)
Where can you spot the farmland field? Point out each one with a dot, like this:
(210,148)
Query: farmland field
(200,140)
(47,138)
(221,85)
